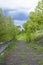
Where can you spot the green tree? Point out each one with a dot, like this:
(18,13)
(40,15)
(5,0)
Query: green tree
(8,30)
(35,22)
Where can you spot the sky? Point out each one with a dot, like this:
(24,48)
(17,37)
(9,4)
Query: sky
(18,9)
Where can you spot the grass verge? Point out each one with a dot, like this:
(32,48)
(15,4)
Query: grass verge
(36,47)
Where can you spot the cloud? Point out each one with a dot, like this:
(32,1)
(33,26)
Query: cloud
(17,15)
(18,9)
(18,22)
(14,4)
(20,16)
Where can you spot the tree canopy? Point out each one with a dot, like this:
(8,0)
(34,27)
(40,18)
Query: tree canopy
(35,22)
(8,30)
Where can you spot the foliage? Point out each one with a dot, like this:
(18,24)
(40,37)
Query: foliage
(35,22)
(8,30)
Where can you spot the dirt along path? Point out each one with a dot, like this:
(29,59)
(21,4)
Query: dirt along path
(22,55)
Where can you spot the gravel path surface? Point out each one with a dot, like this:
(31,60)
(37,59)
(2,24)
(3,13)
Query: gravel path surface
(22,55)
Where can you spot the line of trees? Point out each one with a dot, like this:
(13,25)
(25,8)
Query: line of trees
(8,30)
(35,22)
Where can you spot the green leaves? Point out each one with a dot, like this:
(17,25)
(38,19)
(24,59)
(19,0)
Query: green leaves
(8,30)
(35,23)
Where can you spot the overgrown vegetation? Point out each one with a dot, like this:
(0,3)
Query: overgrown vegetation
(34,25)
(33,30)
(8,30)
